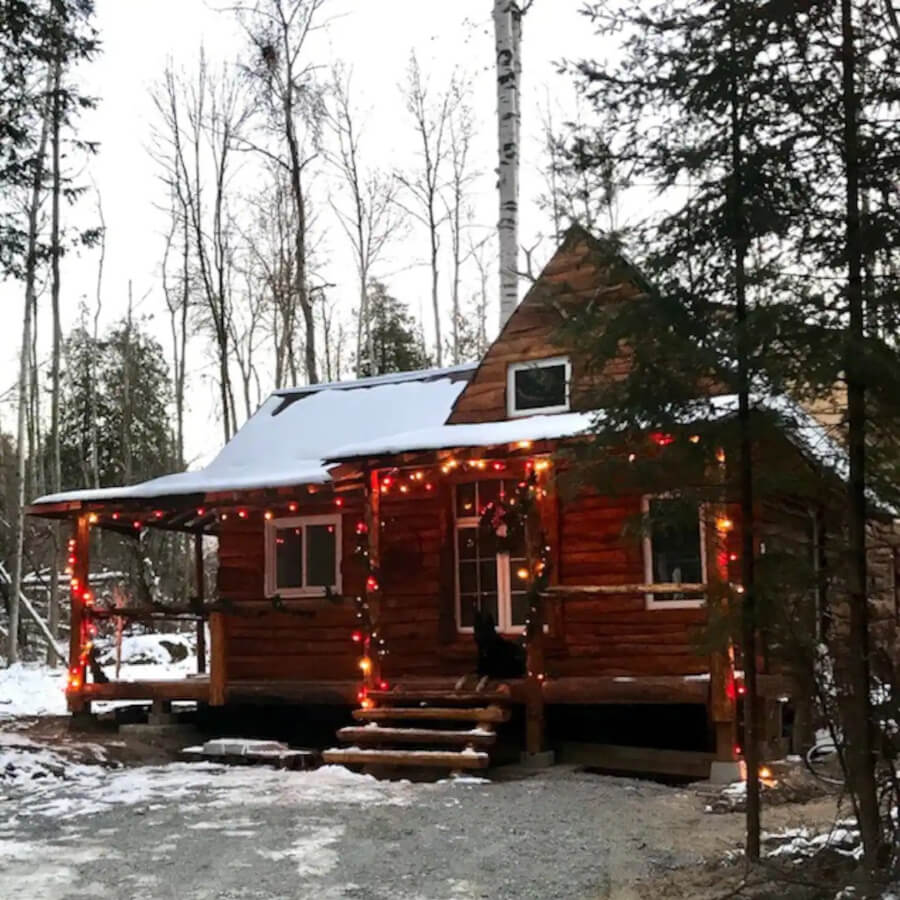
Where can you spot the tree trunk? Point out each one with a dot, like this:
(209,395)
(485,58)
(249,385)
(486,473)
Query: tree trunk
(745,463)
(12,653)
(507,52)
(857,703)
(55,252)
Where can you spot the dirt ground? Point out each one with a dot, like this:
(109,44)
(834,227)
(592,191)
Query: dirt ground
(107,816)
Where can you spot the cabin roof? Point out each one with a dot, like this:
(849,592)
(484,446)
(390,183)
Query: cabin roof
(287,440)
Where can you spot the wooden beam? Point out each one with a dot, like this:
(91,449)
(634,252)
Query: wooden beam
(601,689)
(373,598)
(184,689)
(681,588)
(647,760)
(200,591)
(218,675)
(441,759)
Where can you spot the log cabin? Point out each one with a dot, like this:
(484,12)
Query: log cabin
(353,561)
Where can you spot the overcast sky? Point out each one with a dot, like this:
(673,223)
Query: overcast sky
(375,38)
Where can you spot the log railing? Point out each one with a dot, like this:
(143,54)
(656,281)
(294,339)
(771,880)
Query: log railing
(679,588)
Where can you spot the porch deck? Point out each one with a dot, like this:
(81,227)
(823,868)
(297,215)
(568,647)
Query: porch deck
(583,690)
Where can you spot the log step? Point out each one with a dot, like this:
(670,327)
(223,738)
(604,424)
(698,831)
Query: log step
(367,734)
(434,713)
(441,759)
(398,695)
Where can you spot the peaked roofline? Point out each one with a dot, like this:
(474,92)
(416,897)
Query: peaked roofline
(376,380)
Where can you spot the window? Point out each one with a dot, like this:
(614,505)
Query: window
(303,556)
(674,550)
(486,579)
(541,385)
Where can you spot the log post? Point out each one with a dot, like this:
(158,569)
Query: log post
(200,592)
(373,597)
(79,594)
(218,674)
(534,635)
(722,689)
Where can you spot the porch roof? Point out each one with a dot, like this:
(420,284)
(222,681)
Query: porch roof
(290,437)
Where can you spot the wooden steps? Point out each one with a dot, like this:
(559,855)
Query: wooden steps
(424,728)
(439,759)
(445,714)
(369,734)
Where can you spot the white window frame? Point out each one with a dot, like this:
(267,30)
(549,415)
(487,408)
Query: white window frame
(271,574)
(504,584)
(647,545)
(511,370)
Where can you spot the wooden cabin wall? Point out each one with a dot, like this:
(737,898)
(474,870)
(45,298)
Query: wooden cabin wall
(262,644)
(614,634)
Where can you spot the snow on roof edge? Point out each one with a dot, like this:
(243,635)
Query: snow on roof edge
(378,380)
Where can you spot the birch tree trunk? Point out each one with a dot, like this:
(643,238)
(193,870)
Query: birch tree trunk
(12,653)
(507,42)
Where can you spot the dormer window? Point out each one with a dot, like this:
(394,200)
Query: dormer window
(538,386)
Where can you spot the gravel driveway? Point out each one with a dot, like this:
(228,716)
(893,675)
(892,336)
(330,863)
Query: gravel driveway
(192,831)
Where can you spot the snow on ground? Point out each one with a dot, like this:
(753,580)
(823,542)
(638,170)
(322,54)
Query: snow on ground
(35,689)
(30,689)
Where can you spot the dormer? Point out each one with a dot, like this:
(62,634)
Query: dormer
(529,370)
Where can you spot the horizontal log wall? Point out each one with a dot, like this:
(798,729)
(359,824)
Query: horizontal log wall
(615,634)
(309,644)
(591,634)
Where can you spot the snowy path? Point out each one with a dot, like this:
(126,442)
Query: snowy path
(202,831)
(182,831)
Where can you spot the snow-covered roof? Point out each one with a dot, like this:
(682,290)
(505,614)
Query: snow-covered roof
(290,437)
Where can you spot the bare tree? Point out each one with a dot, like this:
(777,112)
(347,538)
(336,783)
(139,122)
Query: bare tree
(370,218)
(462,175)
(199,124)
(31,260)
(431,120)
(508,16)
(286,87)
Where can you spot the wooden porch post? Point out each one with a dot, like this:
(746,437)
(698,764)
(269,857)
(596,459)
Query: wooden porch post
(722,689)
(373,597)
(534,635)
(218,674)
(80,550)
(200,591)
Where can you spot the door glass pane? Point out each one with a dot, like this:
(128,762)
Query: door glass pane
(465,500)
(518,608)
(468,543)
(467,605)
(488,492)
(488,573)
(468,578)
(321,555)
(489,604)
(289,557)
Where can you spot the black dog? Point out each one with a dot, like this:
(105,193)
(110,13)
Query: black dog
(497,657)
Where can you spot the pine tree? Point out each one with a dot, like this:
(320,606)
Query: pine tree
(771,275)
(394,338)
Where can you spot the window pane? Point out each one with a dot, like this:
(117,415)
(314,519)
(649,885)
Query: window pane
(540,386)
(675,542)
(289,557)
(320,555)
(467,539)
(465,500)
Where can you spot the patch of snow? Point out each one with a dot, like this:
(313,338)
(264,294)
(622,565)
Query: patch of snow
(31,689)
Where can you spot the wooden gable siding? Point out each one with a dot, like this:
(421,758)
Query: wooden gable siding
(583,269)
